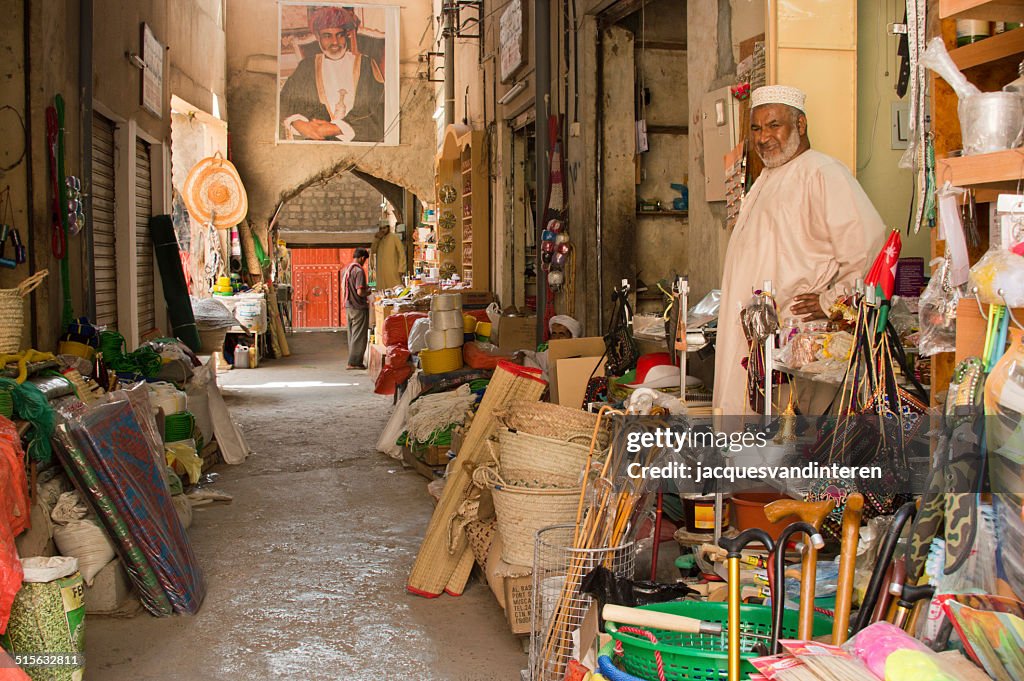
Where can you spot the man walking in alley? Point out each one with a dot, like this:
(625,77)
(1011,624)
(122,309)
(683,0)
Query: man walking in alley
(354,294)
(805,224)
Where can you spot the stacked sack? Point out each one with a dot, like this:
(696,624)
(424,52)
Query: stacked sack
(444,335)
(395,367)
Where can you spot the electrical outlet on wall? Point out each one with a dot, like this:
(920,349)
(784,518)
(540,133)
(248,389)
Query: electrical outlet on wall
(900,123)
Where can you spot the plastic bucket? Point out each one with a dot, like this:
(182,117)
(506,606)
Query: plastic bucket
(750,512)
(699,512)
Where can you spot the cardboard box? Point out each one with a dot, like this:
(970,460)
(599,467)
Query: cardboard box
(109,588)
(512,586)
(476,298)
(566,348)
(572,377)
(517,333)
(519,603)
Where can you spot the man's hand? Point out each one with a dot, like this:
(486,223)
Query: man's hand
(808,307)
(308,129)
(326,129)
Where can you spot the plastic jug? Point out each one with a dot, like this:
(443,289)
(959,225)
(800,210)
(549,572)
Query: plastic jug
(241,356)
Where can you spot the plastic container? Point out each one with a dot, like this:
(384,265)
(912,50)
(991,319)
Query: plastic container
(704,657)
(971,31)
(991,121)
(241,356)
(441,361)
(699,512)
(750,512)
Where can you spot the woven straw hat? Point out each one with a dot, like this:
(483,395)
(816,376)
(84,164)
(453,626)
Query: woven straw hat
(214,192)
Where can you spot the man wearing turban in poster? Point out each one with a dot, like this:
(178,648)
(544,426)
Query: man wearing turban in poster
(337,94)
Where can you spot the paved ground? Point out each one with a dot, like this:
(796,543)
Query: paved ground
(307,568)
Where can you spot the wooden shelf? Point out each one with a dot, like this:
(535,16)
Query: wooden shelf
(971,329)
(989,10)
(663,213)
(998,170)
(1008,45)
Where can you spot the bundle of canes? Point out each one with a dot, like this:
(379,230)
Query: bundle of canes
(604,525)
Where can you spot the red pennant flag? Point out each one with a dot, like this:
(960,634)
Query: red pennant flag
(883,271)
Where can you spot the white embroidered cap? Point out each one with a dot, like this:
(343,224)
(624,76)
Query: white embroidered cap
(779,94)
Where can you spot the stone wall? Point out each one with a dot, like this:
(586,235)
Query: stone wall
(275,172)
(343,204)
(193,33)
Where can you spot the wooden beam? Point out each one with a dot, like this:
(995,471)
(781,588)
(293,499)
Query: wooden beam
(668,130)
(620,11)
(661,45)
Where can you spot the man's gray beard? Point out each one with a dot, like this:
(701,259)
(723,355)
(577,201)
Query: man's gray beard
(785,155)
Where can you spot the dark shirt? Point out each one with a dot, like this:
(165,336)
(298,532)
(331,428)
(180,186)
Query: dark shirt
(300,96)
(353,282)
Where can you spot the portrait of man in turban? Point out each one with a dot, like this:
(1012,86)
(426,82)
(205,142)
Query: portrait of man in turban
(337,93)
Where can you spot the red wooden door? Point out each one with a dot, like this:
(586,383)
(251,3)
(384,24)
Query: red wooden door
(316,282)
(317,298)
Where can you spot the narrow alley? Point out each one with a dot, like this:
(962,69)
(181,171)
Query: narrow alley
(511,340)
(306,569)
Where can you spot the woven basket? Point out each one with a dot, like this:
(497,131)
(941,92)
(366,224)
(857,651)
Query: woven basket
(12,312)
(441,567)
(539,462)
(551,420)
(480,534)
(522,511)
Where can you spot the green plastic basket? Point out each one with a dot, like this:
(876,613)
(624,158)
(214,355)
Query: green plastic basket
(704,657)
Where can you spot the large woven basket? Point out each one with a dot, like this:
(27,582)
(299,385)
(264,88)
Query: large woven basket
(12,312)
(539,462)
(522,511)
(551,420)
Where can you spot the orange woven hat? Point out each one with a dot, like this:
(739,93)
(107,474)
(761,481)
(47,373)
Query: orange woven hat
(213,192)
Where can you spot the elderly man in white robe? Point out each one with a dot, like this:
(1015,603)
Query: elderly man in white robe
(806,225)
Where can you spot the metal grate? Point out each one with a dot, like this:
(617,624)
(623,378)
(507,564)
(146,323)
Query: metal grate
(553,559)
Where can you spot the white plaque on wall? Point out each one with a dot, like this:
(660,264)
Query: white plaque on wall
(511,39)
(153,74)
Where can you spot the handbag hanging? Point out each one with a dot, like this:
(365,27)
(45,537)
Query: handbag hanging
(620,347)
(876,421)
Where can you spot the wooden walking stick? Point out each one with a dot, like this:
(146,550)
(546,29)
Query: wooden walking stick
(734,548)
(852,514)
(813,513)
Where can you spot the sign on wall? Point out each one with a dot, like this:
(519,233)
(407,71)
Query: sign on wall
(153,75)
(511,39)
(337,72)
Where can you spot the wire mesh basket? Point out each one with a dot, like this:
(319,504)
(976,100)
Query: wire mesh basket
(558,605)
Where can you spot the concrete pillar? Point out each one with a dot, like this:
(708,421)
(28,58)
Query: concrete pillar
(618,162)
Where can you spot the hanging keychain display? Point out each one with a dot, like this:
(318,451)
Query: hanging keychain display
(8,232)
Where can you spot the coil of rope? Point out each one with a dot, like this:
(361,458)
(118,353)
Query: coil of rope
(144,362)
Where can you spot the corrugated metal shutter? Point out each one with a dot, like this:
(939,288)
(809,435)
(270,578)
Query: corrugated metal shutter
(101,222)
(145,293)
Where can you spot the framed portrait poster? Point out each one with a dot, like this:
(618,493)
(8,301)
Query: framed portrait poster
(337,68)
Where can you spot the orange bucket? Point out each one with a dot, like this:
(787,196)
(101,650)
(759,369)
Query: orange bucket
(750,512)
